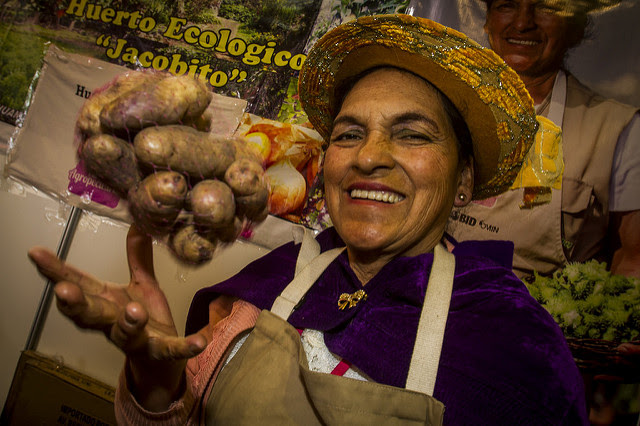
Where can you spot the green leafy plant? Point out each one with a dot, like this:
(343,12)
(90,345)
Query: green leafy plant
(587,301)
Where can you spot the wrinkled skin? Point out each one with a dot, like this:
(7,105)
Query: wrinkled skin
(135,317)
(392,139)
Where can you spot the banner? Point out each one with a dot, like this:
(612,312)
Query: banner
(55,53)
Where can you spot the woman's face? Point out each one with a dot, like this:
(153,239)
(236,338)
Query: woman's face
(392,169)
(530,35)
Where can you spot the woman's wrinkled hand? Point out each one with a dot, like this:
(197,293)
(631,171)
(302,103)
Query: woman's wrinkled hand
(136,317)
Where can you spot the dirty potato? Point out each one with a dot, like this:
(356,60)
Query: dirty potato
(112,160)
(212,204)
(88,121)
(157,200)
(230,233)
(254,207)
(245,177)
(171,100)
(191,246)
(181,148)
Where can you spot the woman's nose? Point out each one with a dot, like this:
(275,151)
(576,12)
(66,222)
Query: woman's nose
(376,152)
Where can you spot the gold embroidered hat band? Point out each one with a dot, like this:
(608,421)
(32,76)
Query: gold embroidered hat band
(489,95)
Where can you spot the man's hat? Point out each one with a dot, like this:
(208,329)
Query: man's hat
(571,7)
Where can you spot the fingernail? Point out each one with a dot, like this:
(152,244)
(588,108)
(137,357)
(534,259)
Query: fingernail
(129,319)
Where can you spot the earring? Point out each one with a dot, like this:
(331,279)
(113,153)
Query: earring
(462,197)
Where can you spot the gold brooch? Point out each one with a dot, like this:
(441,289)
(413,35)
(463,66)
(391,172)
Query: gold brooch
(347,300)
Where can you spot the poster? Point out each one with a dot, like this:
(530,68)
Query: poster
(56,53)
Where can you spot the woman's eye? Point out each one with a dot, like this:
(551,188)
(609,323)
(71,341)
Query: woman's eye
(413,137)
(345,137)
(503,6)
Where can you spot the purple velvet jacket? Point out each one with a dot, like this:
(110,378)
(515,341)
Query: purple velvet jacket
(504,360)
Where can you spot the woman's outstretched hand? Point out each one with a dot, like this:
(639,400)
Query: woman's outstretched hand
(135,317)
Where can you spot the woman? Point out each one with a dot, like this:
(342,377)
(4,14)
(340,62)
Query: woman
(385,93)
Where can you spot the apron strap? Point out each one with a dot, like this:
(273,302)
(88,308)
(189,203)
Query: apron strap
(309,249)
(310,265)
(558,99)
(426,351)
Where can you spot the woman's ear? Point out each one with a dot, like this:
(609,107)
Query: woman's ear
(465,184)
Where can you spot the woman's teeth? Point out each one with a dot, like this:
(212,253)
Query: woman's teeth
(385,197)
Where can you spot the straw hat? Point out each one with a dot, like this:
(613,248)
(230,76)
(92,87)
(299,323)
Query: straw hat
(571,7)
(489,95)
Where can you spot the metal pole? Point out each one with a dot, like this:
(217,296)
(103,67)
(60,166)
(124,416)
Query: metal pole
(47,294)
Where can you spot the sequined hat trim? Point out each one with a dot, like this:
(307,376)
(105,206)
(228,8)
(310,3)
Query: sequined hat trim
(490,96)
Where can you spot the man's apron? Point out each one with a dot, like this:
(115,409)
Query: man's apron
(268,381)
(536,232)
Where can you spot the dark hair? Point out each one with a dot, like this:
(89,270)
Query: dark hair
(460,128)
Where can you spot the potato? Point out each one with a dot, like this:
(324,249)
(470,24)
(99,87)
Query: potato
(212,204)
(245,177)
(112,160)
(157,200)
(230,233)
(190,246)
(171,100)
(181,148)
(254,207)
(88,121)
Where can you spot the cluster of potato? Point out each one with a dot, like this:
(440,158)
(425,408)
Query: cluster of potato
(146,135)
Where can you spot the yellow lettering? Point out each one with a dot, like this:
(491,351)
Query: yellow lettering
(145,59)
(120,15)
(178,66)
(237,47)
(266,59)
(173,29)
(160,63)
(76,7)
(115,53)
(218,79)
(282,58)
(146,24)
(107,14)
(93,12)
(130,55)
(134,18)
(204,72)
(250,57)
(224,39)
(207,39)
(296,62)
(191,35)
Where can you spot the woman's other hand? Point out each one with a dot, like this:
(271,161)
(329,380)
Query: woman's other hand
(136,317)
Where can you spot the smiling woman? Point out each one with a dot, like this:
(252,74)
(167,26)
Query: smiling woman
(414,322)
(395,140)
